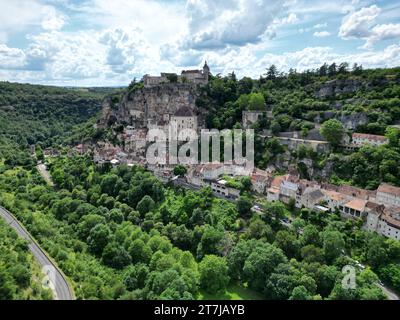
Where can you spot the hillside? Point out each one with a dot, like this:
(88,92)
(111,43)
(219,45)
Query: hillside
(42,115)
(294,105)
(20,275)
(284,106)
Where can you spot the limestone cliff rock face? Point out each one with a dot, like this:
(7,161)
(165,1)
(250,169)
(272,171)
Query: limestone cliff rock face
(149,105)
(352,121)
(337,87)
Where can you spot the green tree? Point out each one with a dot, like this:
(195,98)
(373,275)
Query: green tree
(244,205)
(145,205)
(300,293)
(261,263)
(180,170)
(98,238)
(115,256)
(333,244)
(256,101)
(333,131)
(213,274)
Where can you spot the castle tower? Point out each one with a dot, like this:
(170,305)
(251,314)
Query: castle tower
(206,71)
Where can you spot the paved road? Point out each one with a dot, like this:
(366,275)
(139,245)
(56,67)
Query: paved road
(60,285)
(389,293)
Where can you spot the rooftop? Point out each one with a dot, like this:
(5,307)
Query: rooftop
(387,188)
(273,190)
(335,196)
(356,204)
(276,182)
(314,194)
(371,137)
(391,218)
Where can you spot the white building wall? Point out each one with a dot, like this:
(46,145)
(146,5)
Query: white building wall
(387,199)
(388,231)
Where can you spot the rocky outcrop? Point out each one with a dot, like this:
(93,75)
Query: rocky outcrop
(149,105)
(353,120)
(337,87)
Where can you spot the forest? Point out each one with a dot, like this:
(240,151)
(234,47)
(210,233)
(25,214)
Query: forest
(20,275)
(43,116)
(119,233)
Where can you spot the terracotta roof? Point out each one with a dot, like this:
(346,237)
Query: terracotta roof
(356,204)
(336,196)
(273,190)
(257,177)
(276,182)
(371,137)
(391,220)
(356,192)
(374,208)
(260,172)
(387,188)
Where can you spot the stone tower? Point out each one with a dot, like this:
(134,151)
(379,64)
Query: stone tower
(206,71)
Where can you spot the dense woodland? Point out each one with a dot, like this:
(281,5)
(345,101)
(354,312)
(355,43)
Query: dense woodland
(42,116)
(20,275)
(120,234)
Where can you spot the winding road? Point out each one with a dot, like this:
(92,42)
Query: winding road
(58,282)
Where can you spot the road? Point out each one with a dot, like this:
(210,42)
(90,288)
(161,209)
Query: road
(45,174)
(389,293)
(59,284)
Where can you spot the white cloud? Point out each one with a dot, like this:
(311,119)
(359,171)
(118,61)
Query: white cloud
(110,42)
(11,58)
(52,20)
(129,51)
(160,22)
(361,25)
(320,25)
(214,24)
(21,15)
(382,32)
(290,19)
(357,24)
(321,34)
(245,61)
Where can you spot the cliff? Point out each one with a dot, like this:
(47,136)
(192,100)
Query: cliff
(147,105)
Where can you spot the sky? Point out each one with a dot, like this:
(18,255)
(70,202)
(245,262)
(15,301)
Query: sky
(108,43)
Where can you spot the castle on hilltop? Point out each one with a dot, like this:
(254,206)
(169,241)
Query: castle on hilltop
(199,77)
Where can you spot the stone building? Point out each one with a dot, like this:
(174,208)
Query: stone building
(197,77)
(388,195)
(312,197)
(389,223)
(360,139)
(183,119)
(251,117)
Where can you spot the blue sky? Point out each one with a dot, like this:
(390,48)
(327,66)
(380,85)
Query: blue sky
(103,42)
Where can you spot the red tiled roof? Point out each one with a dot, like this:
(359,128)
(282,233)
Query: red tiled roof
(356,204)
(387,188)
(371,137)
